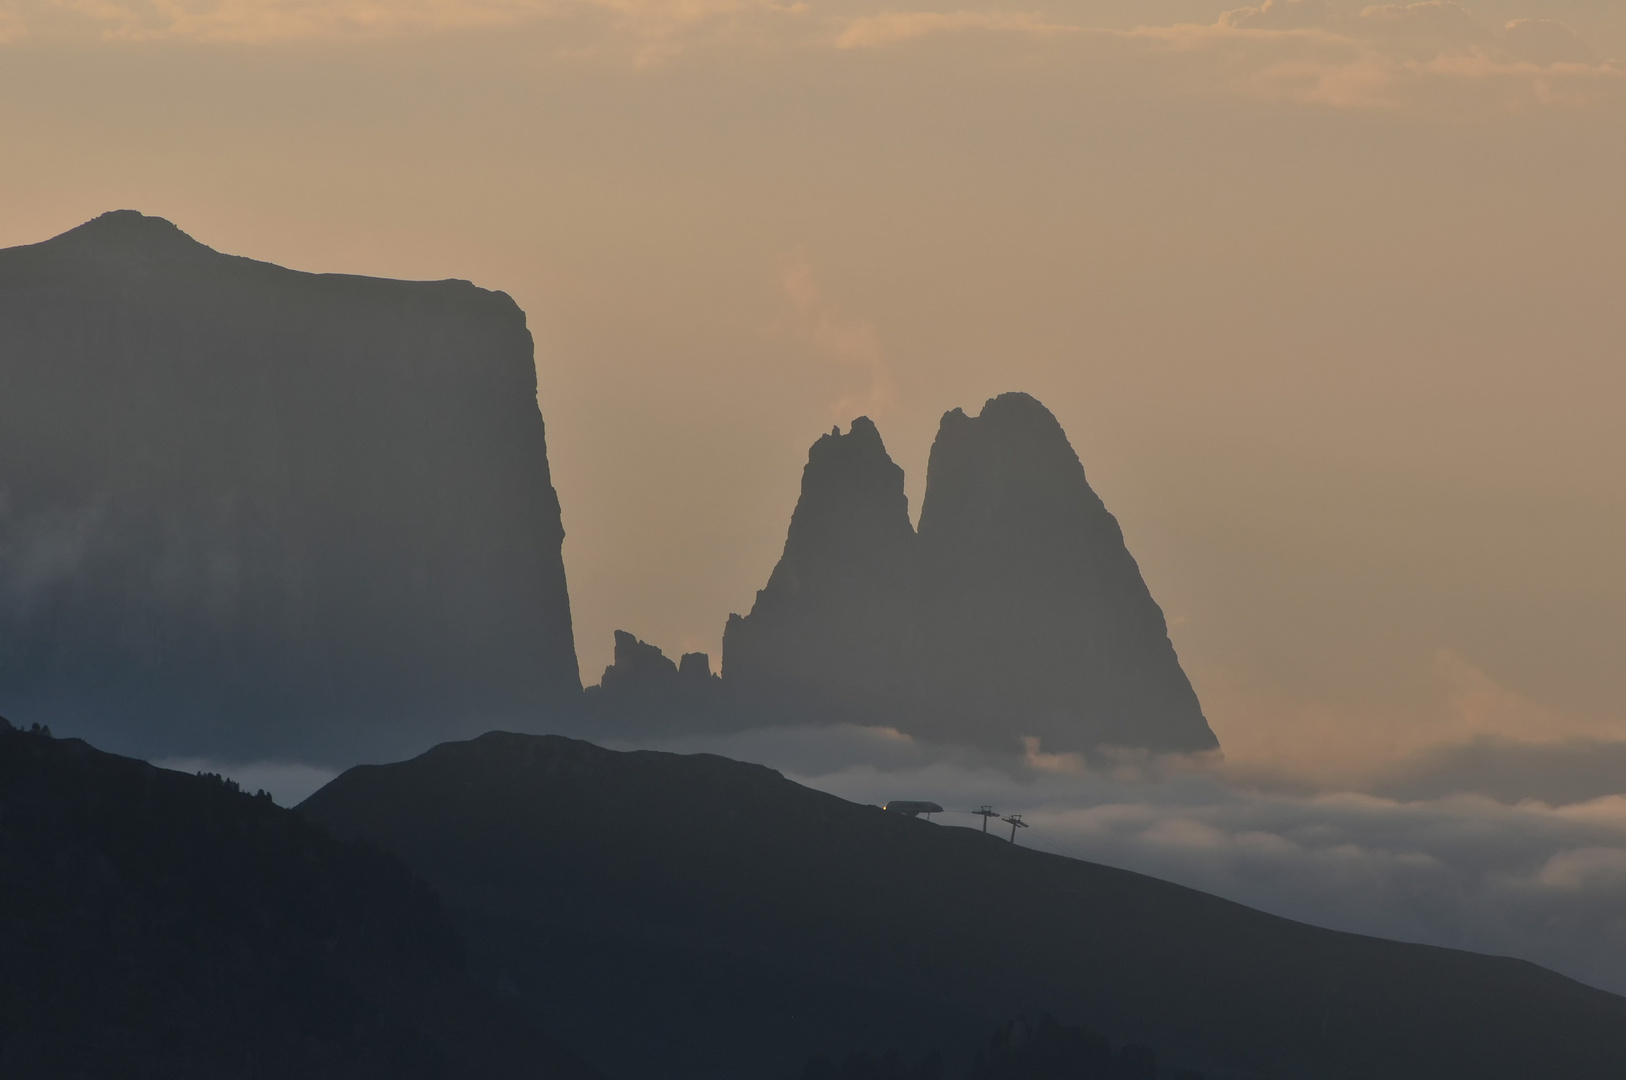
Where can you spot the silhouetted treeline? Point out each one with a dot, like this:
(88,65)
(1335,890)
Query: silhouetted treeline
(1018,1050)
(156,924)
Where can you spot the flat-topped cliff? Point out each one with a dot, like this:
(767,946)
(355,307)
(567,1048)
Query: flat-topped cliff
(248,511)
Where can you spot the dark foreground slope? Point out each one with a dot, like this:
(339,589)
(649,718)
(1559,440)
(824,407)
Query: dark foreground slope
(249,512)
(699,917)
(155,924)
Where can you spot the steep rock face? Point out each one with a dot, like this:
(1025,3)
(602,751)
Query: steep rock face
(246,511)
(830,634)
(1034,617)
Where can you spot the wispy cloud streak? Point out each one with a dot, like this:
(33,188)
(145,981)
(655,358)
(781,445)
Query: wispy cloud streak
(1436,54)
(849,342)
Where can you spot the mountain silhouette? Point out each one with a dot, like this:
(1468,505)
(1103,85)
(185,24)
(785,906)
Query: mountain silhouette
(1034,618)
(643,687)
(249,512)
(692,916)
(158,924)
(1016,611)
(831,635)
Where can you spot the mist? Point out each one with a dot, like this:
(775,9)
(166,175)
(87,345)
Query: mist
(1440,861)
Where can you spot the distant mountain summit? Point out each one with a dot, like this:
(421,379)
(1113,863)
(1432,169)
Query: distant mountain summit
(126,236)
(248,511)
(1034,617)
(1017,610)
(832,634)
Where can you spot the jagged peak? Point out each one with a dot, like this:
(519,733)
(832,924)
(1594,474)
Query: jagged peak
(844,473)
(863,439)
(864,428)
(632,652)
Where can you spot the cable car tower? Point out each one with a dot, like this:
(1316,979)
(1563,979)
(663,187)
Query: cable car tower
(1014,821)
(985,812)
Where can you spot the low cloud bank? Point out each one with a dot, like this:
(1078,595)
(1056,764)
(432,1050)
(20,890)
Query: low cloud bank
(1494,845)
(1453,848)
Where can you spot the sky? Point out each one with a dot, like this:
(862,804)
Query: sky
(1327,296)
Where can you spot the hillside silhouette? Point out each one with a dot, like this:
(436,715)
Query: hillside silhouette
(1045,1049)
(692,916)
(157,924)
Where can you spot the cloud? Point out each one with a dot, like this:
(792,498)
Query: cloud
(891,27)
(1036,758)
(656,26)
(1307,52)
(1510,770)
(44,549)
(1436,54)
(1279,15)
(1585,868)
(1395,55)
(1545,42)
(1458,726)
(851,343)
(13,26)
(1524,878)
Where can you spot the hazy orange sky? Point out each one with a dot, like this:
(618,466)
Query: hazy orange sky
(1328,297)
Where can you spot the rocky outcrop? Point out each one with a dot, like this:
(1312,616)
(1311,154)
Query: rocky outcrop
(831,632)
(639,668)
(644,689)
(1016,611)
(1034,618)
(246,511)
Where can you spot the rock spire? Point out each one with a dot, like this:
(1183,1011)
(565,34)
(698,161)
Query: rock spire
(1034,617)
(831,632)
(1016,611)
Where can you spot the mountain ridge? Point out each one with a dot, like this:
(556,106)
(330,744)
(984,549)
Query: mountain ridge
(154,923)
